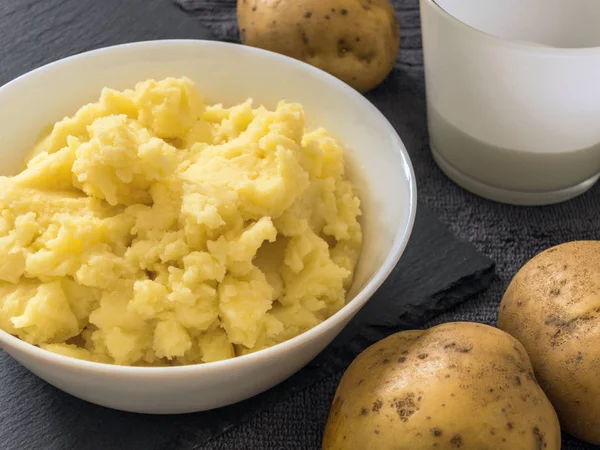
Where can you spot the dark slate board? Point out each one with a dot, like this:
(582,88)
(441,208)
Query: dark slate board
(436,272)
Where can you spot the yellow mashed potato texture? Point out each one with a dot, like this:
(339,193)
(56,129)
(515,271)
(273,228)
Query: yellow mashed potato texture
(153,229)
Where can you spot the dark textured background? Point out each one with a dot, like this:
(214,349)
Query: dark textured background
(509,235)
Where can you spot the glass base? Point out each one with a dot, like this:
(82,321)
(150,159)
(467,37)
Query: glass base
(507,196)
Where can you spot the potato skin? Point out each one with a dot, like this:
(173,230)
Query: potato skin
(354,40)
(552,306)
(454,386)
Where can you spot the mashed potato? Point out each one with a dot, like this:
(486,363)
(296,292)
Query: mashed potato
(153,229)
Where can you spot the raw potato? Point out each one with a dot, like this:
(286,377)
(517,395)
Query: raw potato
(552,307)
(355,40)
(457,385)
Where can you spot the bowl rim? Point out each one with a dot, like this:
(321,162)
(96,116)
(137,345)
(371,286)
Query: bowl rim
(401,238)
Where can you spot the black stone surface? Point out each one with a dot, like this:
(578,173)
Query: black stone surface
(436,272)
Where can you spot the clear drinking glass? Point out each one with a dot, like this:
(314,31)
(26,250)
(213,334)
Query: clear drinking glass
(513,95)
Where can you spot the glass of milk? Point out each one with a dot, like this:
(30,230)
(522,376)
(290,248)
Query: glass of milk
(513,94)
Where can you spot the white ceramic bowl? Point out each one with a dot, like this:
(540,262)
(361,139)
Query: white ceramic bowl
(225,73)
